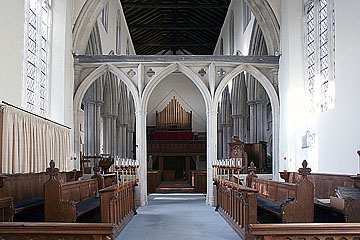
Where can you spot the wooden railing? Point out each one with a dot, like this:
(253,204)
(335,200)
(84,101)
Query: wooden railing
(238,206)
(309,231)
(69,231)
(117,204)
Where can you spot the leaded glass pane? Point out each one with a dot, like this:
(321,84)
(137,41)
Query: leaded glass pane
(31,71)
(32,18)
(31,58)
(37,55)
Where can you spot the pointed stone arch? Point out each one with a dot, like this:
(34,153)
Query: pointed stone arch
(84,86)
(268,22)
(166,72)
(274,100)
(85,22)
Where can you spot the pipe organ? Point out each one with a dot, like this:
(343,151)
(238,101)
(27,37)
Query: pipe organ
(174,116)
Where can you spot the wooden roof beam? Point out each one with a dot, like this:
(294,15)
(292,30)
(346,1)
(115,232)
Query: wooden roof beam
(172,5)
(173,26)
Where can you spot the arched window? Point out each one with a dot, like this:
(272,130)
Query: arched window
(37,42)
(320,51)
(118,33)
(127,47)
(246,16)
(231,33)
(221,46)
(105,17)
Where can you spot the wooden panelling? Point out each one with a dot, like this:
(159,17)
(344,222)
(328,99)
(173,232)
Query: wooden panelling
(153,180)
(73,231)
(199,181)
(28,185)
(177,148)
(318,231)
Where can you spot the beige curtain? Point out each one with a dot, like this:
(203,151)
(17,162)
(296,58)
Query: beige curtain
(30,142)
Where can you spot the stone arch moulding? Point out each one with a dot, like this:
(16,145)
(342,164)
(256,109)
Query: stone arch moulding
(85,22)
(84,86)
(274,100)
(158,77)
(268,22)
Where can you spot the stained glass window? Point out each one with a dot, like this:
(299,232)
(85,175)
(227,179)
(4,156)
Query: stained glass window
(37,56)
(320,52)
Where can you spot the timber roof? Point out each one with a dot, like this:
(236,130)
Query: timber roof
(170,26)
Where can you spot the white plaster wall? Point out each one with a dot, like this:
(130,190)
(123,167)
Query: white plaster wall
(337,131)
(185,91)
(11,47)
(242,38)
(108,39)
(61,71)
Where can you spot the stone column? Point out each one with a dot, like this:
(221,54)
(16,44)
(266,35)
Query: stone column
(253,121)
(130,137)
(211,152)
(141,156)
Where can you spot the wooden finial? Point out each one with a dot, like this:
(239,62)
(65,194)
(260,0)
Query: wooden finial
(96,168)
(52,171)
(304,171)
(252,167)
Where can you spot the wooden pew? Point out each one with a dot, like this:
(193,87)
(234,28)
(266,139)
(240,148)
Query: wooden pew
(118,205)
(286,200)
(69,231)
(26,189)
(237,205)
(325,185)
(305,231)
(65,202)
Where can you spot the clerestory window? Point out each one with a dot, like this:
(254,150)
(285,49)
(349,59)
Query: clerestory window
(37,42)
(320,53)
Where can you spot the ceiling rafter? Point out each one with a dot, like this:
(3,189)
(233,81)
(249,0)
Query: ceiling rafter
(168,26)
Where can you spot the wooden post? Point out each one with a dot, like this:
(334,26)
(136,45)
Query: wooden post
(187,168)
(161,166)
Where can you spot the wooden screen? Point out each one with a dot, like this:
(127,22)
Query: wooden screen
(173,116)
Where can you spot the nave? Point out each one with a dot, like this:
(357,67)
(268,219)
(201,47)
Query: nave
(177,216)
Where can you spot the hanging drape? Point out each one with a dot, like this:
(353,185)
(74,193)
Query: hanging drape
(30,142)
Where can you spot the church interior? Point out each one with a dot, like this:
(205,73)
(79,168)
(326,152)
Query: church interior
(179,119)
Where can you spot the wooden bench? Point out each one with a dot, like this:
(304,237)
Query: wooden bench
(285,200)
(325,185)
(305,231)
(26,189)
(69,231)
(65,202)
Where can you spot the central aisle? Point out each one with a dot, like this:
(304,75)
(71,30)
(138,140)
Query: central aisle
(177,217)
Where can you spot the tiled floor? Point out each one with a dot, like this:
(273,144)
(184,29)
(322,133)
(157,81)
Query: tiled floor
(177,216)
